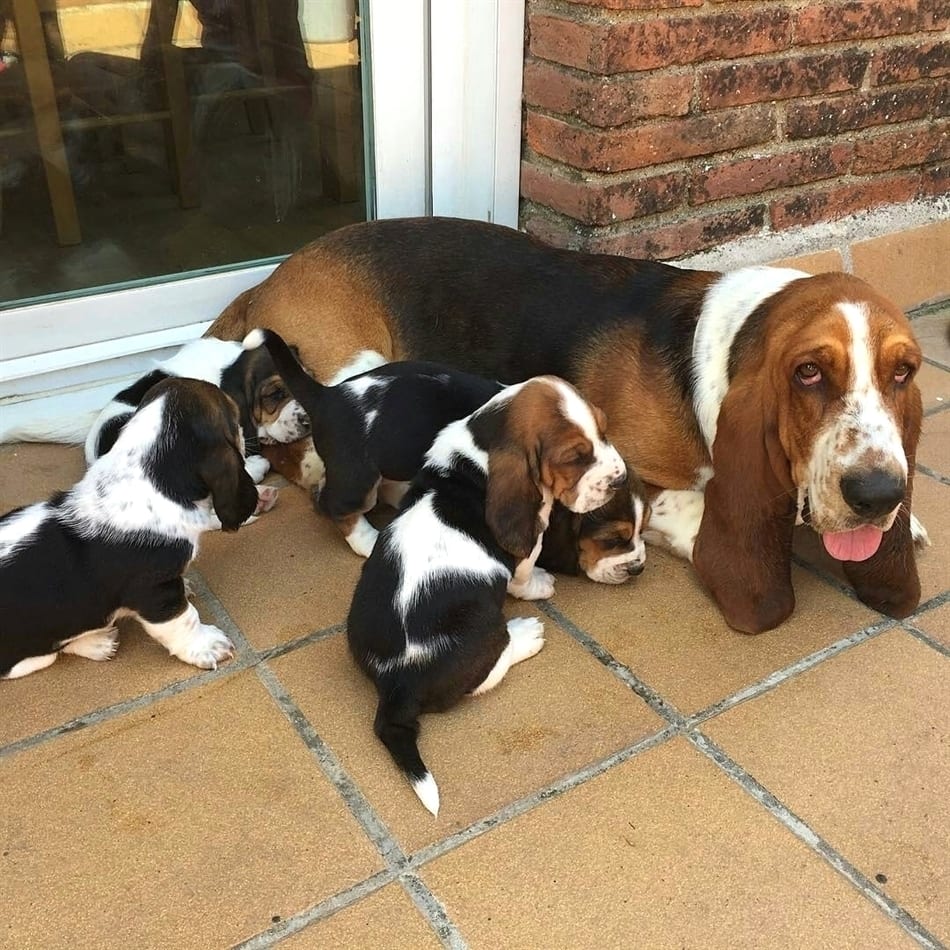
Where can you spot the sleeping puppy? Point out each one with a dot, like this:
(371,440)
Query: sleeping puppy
(605,544)
(426,621)
(373,430)
(268,413)
(118,542)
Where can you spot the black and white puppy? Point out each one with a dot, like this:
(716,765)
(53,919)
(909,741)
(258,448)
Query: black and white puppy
(373,430)
(426,622)
(118,542)
(268,412)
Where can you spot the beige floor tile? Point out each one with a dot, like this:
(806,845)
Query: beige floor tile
(934,386)
(934,448)
(663,851)
(189,823)
(287,575)
(857,747)
(386,920)
(552,715)
(932,506)
(31,472)
(670,633)
(936,623)
(932,334)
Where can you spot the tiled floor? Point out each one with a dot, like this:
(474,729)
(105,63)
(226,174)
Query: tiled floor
(651,779)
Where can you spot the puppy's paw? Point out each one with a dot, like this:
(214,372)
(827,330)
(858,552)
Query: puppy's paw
(539,586)
(96,645)
(527,637)
(266,499)
(362,539)
(257,467)
(206,648)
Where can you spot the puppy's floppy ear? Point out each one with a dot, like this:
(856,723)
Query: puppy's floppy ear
(743,548)
(513,499)
(233,493)
(888,580)
(559,547)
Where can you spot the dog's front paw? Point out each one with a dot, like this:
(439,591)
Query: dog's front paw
(527,637)
(538,586)
(362,539)
(257,467)
(266,499)
(96,645)
(206,648)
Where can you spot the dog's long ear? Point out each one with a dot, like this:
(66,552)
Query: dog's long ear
(743,548)
(233,494)
(513,499)
(888,580)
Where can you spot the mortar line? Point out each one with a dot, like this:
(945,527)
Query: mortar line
(647,693)
(803,831)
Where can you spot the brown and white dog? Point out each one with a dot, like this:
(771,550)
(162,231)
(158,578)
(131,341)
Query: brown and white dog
(756,396)
(426,622)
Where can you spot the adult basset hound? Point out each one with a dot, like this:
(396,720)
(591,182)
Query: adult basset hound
(764,393)
(426,623)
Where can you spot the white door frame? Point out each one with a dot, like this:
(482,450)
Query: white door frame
(445,133)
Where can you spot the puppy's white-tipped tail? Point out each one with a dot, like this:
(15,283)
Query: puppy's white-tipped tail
(254,339)
(428,792)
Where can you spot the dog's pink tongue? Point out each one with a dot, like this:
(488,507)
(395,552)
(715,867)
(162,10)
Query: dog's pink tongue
(856,545)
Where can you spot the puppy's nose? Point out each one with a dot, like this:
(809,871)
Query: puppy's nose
(634,568)
(873,493)
(619,482)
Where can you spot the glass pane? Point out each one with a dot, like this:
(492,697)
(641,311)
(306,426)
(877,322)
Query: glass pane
(155,137)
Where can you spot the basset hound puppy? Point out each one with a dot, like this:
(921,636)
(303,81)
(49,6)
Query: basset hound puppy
(370,433)
(764,394)
(118,542)
(426,623)
(268,413)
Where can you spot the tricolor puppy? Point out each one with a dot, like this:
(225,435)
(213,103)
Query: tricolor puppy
(268,413)
(426,621)
(749,397)
(118,542)
(373,430)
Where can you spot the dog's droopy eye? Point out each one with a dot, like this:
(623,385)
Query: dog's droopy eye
(808,374)
(272,395)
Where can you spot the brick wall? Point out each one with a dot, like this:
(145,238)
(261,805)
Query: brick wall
(659,128)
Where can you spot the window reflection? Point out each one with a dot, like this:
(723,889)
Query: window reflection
(153,137)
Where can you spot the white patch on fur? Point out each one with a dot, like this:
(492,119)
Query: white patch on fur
(369,420)
(593,489)
(455,440)
(30,665)
(17,530)
(415,654)
(257,467)
(185,636)
(530,582)
(363,362)
(358,388)
(728,303)
(254,339)
(919,533)
(292,423)
(362,539)
(94,644)
(428,792)
(525,640)
(675,520)
(863,436)
(427,549)
(206,358)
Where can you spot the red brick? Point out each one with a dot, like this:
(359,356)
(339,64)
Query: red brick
(605,102)
(637,4)
(844,113)
(603,200)
(826,22)
(935,180)
(934,14)
(551,228)
(902,149)
(906,63)
(650,143)
(829,204)
(786,78)
(750,176)
(652,43)
(677,239)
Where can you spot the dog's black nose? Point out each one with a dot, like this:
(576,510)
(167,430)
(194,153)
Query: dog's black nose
(634,568)
(619,482)
(873,493)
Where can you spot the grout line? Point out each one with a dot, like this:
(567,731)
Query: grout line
(281,649)
(647,693)
(326,908)
(356,802)
(926,638)
(930,473)
(433,910)
(814,841)
(532,801)
(936,410)
(935,362)
(768,683)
